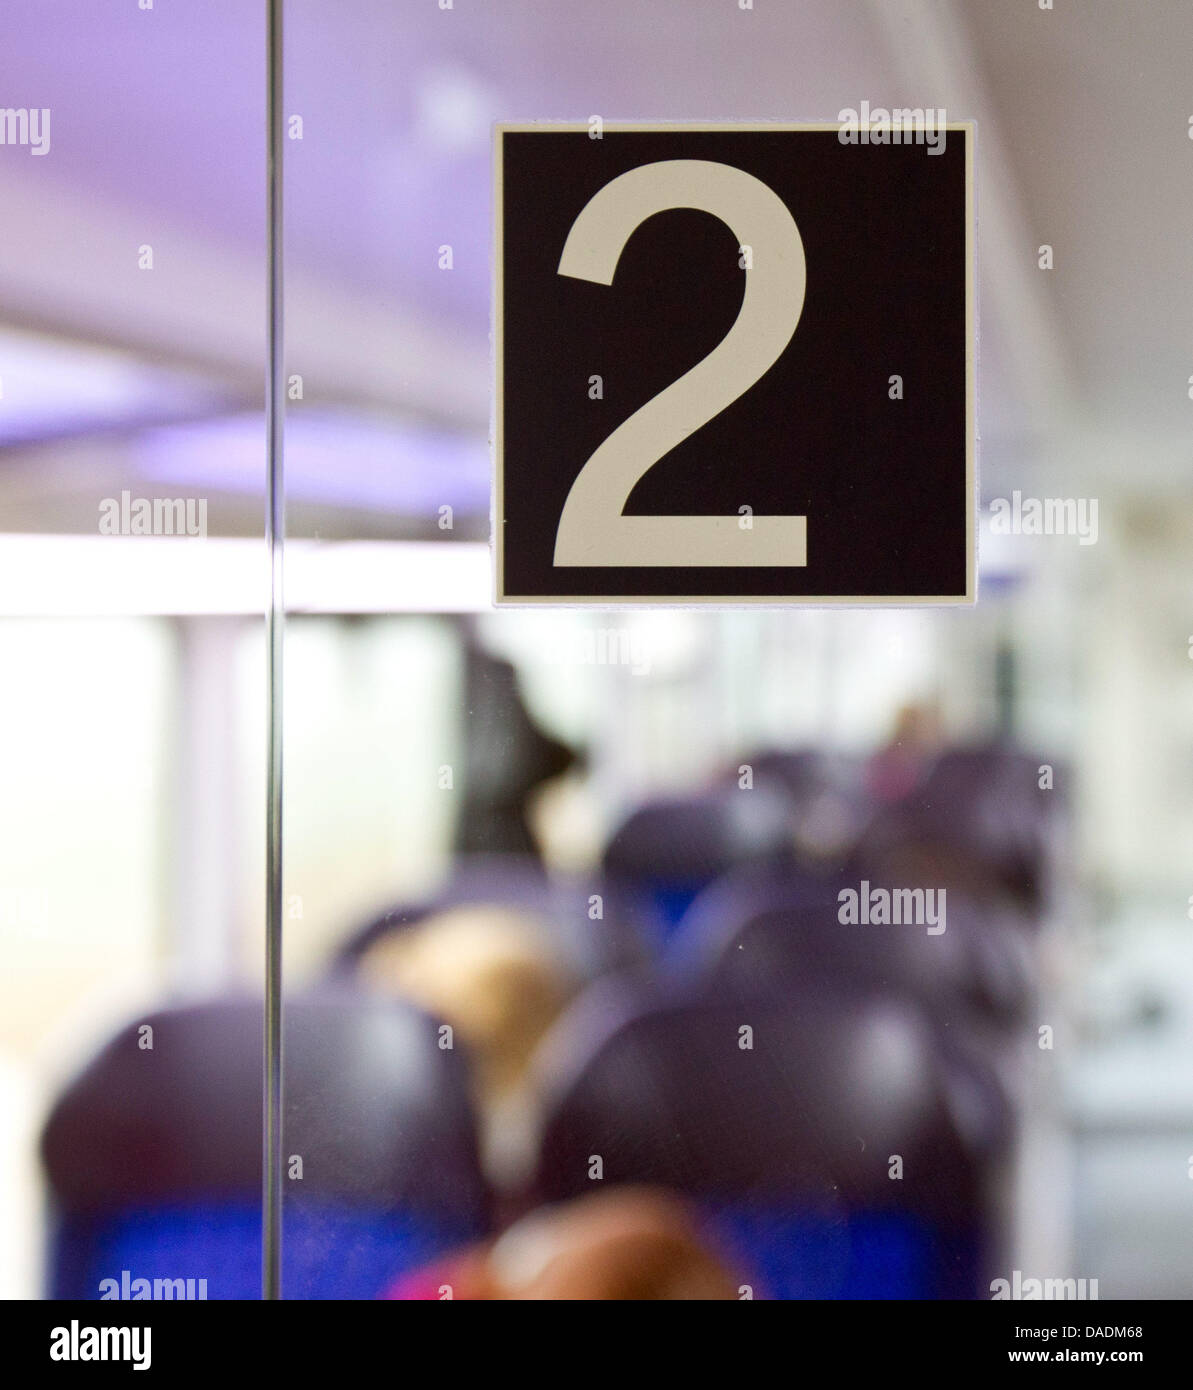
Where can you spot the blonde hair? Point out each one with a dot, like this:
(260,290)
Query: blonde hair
(487,971)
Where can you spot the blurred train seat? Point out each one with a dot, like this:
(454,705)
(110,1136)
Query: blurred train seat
(753,935)
(827,800)
(980,818)
(154,1155)
(785,1136)
(669,849)
(587,935)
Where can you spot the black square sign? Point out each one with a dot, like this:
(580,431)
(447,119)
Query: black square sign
(734,364)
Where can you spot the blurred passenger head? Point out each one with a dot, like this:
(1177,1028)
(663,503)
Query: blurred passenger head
(915,737)
(489,972)
(619,1244)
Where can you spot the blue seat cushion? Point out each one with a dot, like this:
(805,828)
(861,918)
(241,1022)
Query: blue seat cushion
(329,1250)
(855,1255)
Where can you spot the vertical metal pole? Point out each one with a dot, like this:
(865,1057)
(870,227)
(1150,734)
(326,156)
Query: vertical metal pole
(275,533)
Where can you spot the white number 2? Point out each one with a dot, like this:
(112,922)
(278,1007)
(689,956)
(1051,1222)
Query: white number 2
(592,529)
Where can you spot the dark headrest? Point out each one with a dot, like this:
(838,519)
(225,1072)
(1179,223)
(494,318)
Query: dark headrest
(980,813)
(378,1112)
(811,1113)
(803,773)
(760,936)
(827,803)
(692,839)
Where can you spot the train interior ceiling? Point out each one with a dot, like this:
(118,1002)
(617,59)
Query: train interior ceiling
(568,912)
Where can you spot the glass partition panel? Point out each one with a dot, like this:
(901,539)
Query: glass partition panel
(131,494)
(583,840)
(740,907)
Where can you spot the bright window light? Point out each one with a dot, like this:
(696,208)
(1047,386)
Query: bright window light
(168,575)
